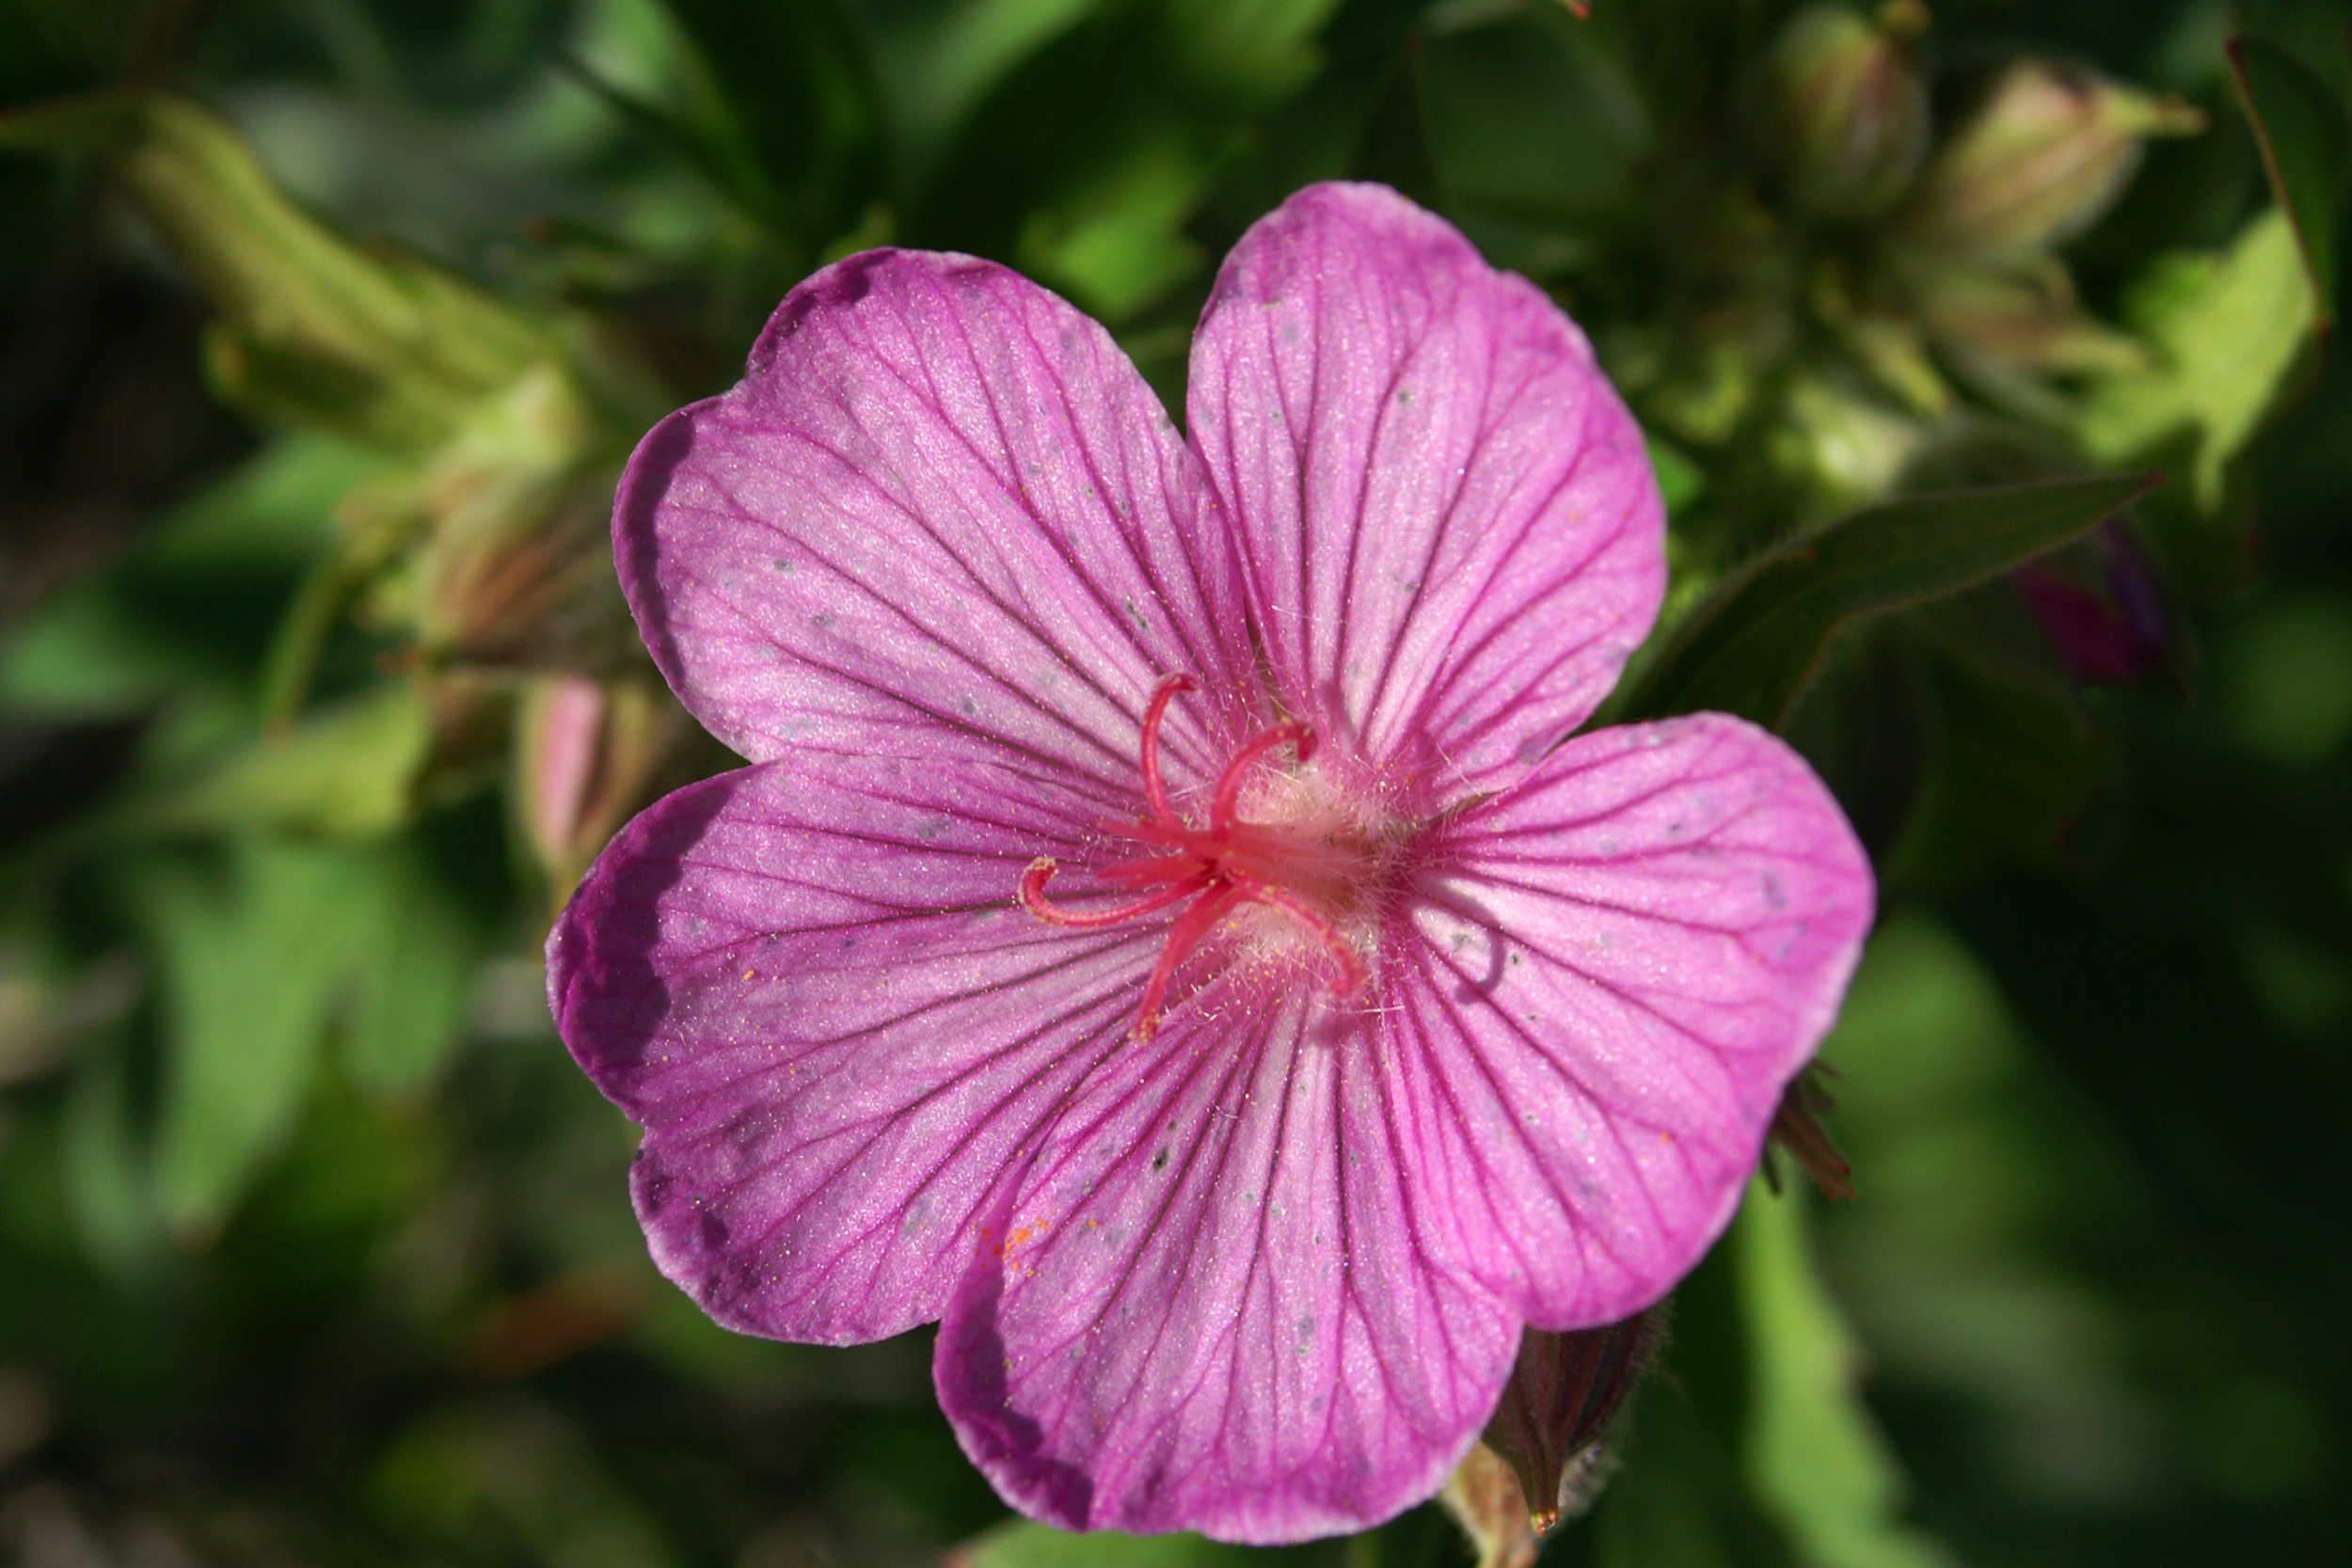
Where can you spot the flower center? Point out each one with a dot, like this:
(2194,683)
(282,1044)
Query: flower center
(1310,870)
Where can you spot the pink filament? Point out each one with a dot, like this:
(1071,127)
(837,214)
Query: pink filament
(1203,867)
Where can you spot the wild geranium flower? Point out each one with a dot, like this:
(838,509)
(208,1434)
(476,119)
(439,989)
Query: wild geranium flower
(1166,932)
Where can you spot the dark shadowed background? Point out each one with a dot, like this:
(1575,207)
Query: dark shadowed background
(326,323)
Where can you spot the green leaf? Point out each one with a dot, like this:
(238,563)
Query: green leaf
(2306,142)
(1023,1544)
(1258,49)
(199,584)
(798,95)
(349,772)
(413,974)
(376,344)
(1679,1498)
(713,144)
(257,964)
(1530,121)
(1119,245)
(1677,1501)
(251,973)
(1813,1455)
(2230,328)
(1756,643)
(103,1161)
(2013,762)
(940,60)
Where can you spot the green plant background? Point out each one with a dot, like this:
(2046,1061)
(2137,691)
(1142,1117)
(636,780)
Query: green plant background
(324,326)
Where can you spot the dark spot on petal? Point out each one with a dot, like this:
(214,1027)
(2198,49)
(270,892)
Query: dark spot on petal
(787,567)
(1159,1161)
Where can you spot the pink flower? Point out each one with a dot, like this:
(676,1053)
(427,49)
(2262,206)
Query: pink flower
(1367,1017)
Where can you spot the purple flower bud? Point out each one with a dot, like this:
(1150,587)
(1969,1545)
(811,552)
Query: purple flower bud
(2100,603)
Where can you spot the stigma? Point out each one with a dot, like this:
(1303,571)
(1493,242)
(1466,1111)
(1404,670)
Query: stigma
(1309,871)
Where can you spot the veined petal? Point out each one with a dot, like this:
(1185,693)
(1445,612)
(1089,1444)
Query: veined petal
(1207,1308)
(1624,962)
(807,982)
(1451,533)
(941,502)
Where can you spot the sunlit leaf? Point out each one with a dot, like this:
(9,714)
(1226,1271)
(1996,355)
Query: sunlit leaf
(1119,245)
(348,772)
(1754,644)
(1813,1454)
(2306,142)
(412,976)
(1023,1545)
(251,974)
(371,341)
(2230,328)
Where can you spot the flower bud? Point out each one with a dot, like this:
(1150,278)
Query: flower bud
(2018,318)
(585,753)
(2101,604)
(1558,1406)
(495,547)
(1797,1128)
(2041,157)
(1841,111)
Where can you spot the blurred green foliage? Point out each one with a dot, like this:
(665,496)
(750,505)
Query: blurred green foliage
(326,323)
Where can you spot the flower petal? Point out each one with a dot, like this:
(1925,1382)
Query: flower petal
(808,983)
(1206,1308)
(1452,535)
(1623,962)
(941,500)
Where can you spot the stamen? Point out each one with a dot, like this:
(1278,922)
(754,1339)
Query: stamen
(1153,790)
(1214,870)
(1351,967)
(1182,936)
(1229,787)
(1031,898)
